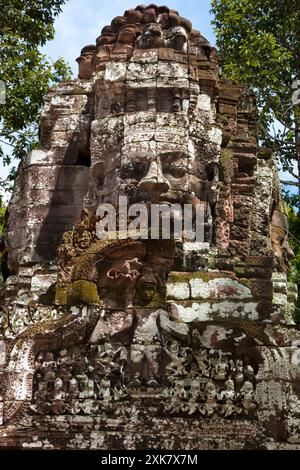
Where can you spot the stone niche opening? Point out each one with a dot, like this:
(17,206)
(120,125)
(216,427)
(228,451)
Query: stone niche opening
(83,157)
(122,343)
(246,165)
(164,100)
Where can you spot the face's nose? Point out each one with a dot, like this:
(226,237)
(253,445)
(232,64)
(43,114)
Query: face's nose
(288,249)
(154,182)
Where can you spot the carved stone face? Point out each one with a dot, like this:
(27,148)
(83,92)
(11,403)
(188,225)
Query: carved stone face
(154,36)
(279,238)
(154,136)
(151,143)
(162,178)
(134,275)
(85,62)
(177,38)
(151,37)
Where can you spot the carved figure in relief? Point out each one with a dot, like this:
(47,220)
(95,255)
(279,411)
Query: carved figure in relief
(73,388)
(157,120)
(239,371)
(176,367)
(228,395)
(178,395)
(59,393)
(221,367)
(210,405)
(202,362)
(247,395)
(194,394)
(86,386)
(105,389)
(42,393)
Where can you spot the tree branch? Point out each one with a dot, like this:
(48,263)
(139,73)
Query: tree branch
(290,183)
(284,43)
(6,143)
(5,133)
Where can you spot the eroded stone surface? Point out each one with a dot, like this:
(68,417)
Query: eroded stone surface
(127,344)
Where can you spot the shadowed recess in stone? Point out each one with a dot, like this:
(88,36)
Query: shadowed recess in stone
(142,343)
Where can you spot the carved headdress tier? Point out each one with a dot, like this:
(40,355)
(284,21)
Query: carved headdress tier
(180,337)
(145,27)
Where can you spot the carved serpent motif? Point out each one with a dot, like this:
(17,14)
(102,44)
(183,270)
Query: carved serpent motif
(18,374)
(95,254)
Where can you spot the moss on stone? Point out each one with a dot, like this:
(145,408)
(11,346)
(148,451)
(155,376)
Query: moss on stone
(226,156)
(77,293)
(226,159)
(159,300)
(61,295)
(86,292)
(187,277)
(245,282)
(211,264)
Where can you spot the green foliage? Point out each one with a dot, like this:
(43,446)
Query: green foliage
(294,227)
(259,44)
(294,274)
(2,213)
(27,73)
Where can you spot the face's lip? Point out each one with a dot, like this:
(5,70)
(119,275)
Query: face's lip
(177,199)
(156,33)
(170,202)
(165,198)
(166,202)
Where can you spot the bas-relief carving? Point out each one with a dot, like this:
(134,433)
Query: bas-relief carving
(117,368)
(279,236)
(114,273)
(158,125)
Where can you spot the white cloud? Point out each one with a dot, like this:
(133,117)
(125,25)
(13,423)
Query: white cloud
(82,21)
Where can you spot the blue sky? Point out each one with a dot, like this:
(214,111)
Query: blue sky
(82,20)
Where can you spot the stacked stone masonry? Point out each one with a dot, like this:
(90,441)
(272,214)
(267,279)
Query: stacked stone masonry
(148,344)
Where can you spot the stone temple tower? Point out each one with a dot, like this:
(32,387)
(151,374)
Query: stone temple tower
(126,343)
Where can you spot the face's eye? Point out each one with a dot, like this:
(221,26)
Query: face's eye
(176,169)
(134,171)
(177,172)
(179,43)
(126,172)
